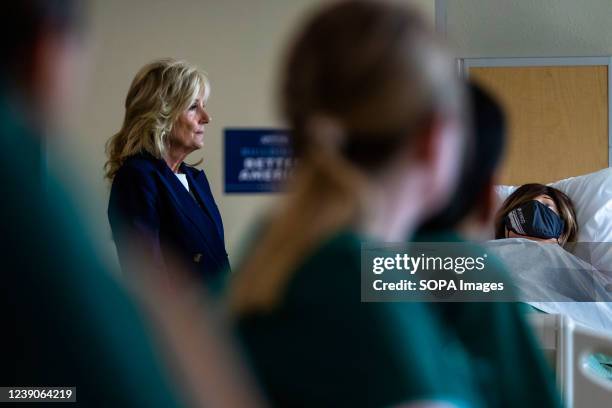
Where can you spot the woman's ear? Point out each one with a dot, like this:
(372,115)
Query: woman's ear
(427,141)
(429,164)
(54,73)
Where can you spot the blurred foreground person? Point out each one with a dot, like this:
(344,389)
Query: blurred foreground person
(528,381)
(66,321)
(376,115)
(156,200)
(472,206)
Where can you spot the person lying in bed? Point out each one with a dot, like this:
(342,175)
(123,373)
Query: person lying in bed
(539,213)
(493,333)
(555,279)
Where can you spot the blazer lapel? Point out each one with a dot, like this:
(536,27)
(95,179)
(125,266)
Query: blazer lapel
(185,202)
(197,180)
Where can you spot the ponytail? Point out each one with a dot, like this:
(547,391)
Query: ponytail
(328,197)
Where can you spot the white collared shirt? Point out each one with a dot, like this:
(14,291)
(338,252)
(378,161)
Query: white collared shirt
(183,179)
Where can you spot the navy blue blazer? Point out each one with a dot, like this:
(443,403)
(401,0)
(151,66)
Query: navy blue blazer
(149,209)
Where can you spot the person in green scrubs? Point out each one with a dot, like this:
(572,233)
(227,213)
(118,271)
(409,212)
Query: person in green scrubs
(66,321)
(508,364)
(376,112)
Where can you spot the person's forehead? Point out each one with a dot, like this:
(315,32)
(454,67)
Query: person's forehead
(545,197)
(202,96)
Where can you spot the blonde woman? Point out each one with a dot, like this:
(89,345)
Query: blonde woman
(376,112)
(160,206)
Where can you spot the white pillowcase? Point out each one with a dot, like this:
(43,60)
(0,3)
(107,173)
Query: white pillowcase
(503,191)
(592,198)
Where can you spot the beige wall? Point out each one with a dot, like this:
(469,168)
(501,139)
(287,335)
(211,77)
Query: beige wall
(238,42)
(530,28)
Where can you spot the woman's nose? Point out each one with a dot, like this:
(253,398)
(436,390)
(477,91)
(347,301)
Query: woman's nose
(204,116)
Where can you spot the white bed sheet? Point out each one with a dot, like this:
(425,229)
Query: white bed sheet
(556,281)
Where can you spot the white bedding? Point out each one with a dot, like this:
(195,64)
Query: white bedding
(555,281)
(592,198)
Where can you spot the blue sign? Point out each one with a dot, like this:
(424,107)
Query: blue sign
(256,160)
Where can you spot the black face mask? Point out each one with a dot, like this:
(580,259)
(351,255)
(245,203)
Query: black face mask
(534,219)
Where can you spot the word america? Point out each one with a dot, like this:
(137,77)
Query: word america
(413,264)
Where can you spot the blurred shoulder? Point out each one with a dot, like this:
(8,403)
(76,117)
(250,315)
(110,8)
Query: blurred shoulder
(139,167)
(331,270)
(193,171)
(140,162)
(342,250)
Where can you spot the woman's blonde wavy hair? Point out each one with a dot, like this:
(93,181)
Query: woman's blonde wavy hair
(159,93)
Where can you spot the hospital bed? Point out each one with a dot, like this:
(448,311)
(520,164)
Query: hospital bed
(569,347)
(572,333)
(560,124)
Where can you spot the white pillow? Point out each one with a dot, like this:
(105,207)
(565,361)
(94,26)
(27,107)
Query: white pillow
(592,198)
(503,192)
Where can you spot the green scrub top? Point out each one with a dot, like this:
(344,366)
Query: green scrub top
(66,320)
(323,347)
(507,360)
